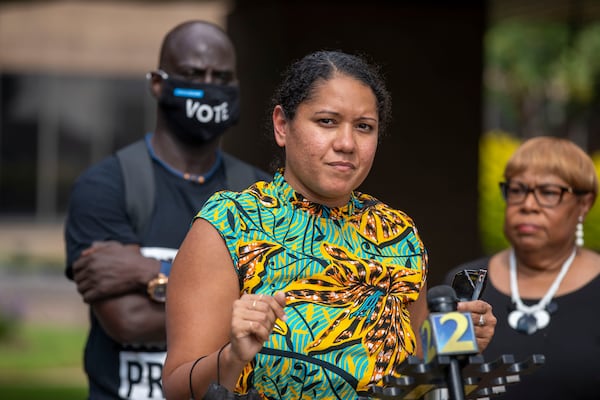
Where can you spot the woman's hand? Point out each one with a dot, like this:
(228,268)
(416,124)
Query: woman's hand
(253,319)
(483,319)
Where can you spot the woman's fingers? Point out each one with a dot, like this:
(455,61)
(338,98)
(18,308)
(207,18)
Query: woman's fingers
(253,320)
(483,318)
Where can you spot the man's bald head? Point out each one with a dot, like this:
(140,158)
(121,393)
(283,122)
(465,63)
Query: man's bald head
(197,45)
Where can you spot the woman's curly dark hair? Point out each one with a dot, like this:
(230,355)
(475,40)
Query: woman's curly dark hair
(301,78)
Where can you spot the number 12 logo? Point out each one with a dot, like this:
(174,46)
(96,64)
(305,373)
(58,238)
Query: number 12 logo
(447,334)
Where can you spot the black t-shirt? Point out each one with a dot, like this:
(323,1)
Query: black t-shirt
(97,212)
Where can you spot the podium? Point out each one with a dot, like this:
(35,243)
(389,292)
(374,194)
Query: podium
(482,380)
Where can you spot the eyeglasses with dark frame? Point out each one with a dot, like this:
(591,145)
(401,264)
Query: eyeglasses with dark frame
(547,195)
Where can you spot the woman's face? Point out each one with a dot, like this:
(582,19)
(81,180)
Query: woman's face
(331,142)
(529,226)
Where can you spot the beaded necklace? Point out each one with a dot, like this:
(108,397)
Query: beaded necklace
(528,319)
(185,175)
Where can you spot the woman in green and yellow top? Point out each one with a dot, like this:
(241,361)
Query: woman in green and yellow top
(303,287)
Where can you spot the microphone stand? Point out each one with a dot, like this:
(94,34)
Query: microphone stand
(456,390)
(442,299)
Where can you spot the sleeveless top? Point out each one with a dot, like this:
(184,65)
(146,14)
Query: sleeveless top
(348,274)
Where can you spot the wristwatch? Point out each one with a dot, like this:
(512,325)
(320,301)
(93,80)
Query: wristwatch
(157,288)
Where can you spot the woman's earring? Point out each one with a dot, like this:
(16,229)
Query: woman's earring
(579,232)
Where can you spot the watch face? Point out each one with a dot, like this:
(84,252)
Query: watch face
(160,292)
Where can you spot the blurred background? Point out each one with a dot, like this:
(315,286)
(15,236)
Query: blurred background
(470,80)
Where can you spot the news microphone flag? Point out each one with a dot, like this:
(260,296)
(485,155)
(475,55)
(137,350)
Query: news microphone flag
(446,332)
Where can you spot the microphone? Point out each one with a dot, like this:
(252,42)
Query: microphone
(447,333)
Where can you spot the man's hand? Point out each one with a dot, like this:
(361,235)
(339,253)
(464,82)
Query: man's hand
(108,269)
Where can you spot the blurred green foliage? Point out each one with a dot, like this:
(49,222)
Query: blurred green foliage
(36,391)
(10,318)
(43,362)
(495,148)
(542,76)
(553,59)
(36,347)
(8,324)
(591,226)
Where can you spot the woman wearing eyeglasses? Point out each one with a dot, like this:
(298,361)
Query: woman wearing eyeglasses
(545,288)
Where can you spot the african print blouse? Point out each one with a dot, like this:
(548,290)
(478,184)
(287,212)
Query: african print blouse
(348,273)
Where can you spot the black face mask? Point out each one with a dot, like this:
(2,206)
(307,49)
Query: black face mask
(199,112)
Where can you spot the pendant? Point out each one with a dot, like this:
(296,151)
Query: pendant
(528,323)
(513,318)
(522,322)
(542,318)
(552,307)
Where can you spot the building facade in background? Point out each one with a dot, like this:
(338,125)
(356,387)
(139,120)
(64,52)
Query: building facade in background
(73,89)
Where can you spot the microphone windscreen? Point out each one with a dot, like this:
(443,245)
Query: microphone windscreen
(441,298)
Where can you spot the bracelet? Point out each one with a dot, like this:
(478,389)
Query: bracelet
(191,370)
(218,370)
(219,363)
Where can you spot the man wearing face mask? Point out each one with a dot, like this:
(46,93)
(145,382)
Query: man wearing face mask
(120,256)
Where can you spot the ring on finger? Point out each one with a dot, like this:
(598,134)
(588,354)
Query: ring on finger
(481,321)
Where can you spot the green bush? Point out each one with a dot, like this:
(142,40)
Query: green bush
(43,362)
(36,347)
(591,226)
(41,391)
(10,318)
(495,148)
